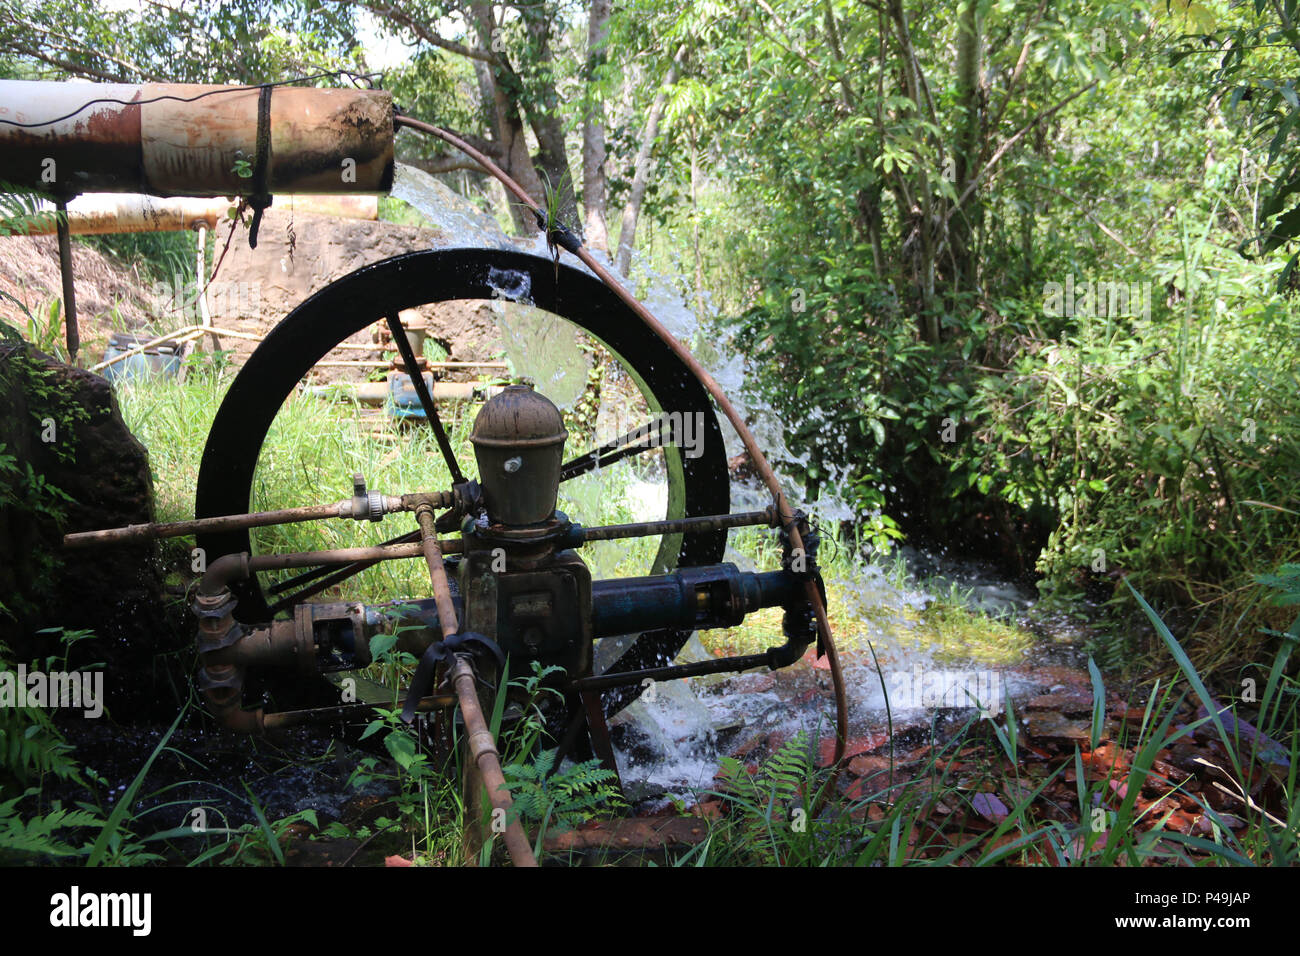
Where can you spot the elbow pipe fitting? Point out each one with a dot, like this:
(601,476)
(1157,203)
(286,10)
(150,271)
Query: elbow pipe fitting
(222,572)
(221,678)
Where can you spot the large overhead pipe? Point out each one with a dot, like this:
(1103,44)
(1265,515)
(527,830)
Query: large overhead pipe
(168,139)
(101,213)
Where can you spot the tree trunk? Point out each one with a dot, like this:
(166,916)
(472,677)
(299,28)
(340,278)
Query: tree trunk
(543,112)
(504,119)
(641,176)
(695,227)
(593,130)
(965,222)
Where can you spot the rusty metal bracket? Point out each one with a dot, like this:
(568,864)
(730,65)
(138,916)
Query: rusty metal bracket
(260,200)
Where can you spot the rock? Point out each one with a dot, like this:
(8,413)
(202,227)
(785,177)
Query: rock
(988,806)
(1050,725)
(87,471)
(1074,702)
(852,747)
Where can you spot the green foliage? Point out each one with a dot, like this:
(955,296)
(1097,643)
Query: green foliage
(210,41)
(22,488)
(769,809)
(560,798)
(545,795)
(22,210)
(30,745)
(165,259)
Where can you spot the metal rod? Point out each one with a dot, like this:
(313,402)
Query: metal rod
(426,400)
(172,529)
(353,346)
(352,363)
(331,579)
(69,285)
(610,452)
(379,363)
(258,519)
(308,559)
(309,576)
(679,525)
(720,665)
(292,718)
(483,753)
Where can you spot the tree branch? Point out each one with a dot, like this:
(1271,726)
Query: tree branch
(445,164)
(1008,143)
(395,14)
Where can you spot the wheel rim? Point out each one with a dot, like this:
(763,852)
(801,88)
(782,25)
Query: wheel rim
(697,486)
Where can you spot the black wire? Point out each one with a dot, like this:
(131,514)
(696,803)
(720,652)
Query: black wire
(368,77)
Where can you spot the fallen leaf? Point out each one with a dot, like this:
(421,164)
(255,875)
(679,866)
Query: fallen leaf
(989,807)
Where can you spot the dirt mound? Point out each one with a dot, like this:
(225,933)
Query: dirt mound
(30,280)
(296,256)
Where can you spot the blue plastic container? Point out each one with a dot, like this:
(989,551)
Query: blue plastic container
(164,359)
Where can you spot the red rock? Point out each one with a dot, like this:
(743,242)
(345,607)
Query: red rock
(1050,725)
(852,747)
(1179,821)
(820,663)
(1054,675)
(398,861)
(1075,701)
(866,764)
(708,809)
(1107,758)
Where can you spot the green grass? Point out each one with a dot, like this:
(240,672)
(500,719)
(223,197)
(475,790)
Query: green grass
(311,452)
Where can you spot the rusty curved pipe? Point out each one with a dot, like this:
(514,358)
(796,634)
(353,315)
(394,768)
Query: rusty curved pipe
(761,465)
(483,752)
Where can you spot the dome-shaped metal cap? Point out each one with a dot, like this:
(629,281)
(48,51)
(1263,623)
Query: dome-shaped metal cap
(518,441)
(518,417)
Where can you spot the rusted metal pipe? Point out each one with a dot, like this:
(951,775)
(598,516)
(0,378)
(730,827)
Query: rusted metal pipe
(437,570)
(93,214)
(69,286)
(642,529)
(294,718)
(482,750)
(259,519)
(169,139)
